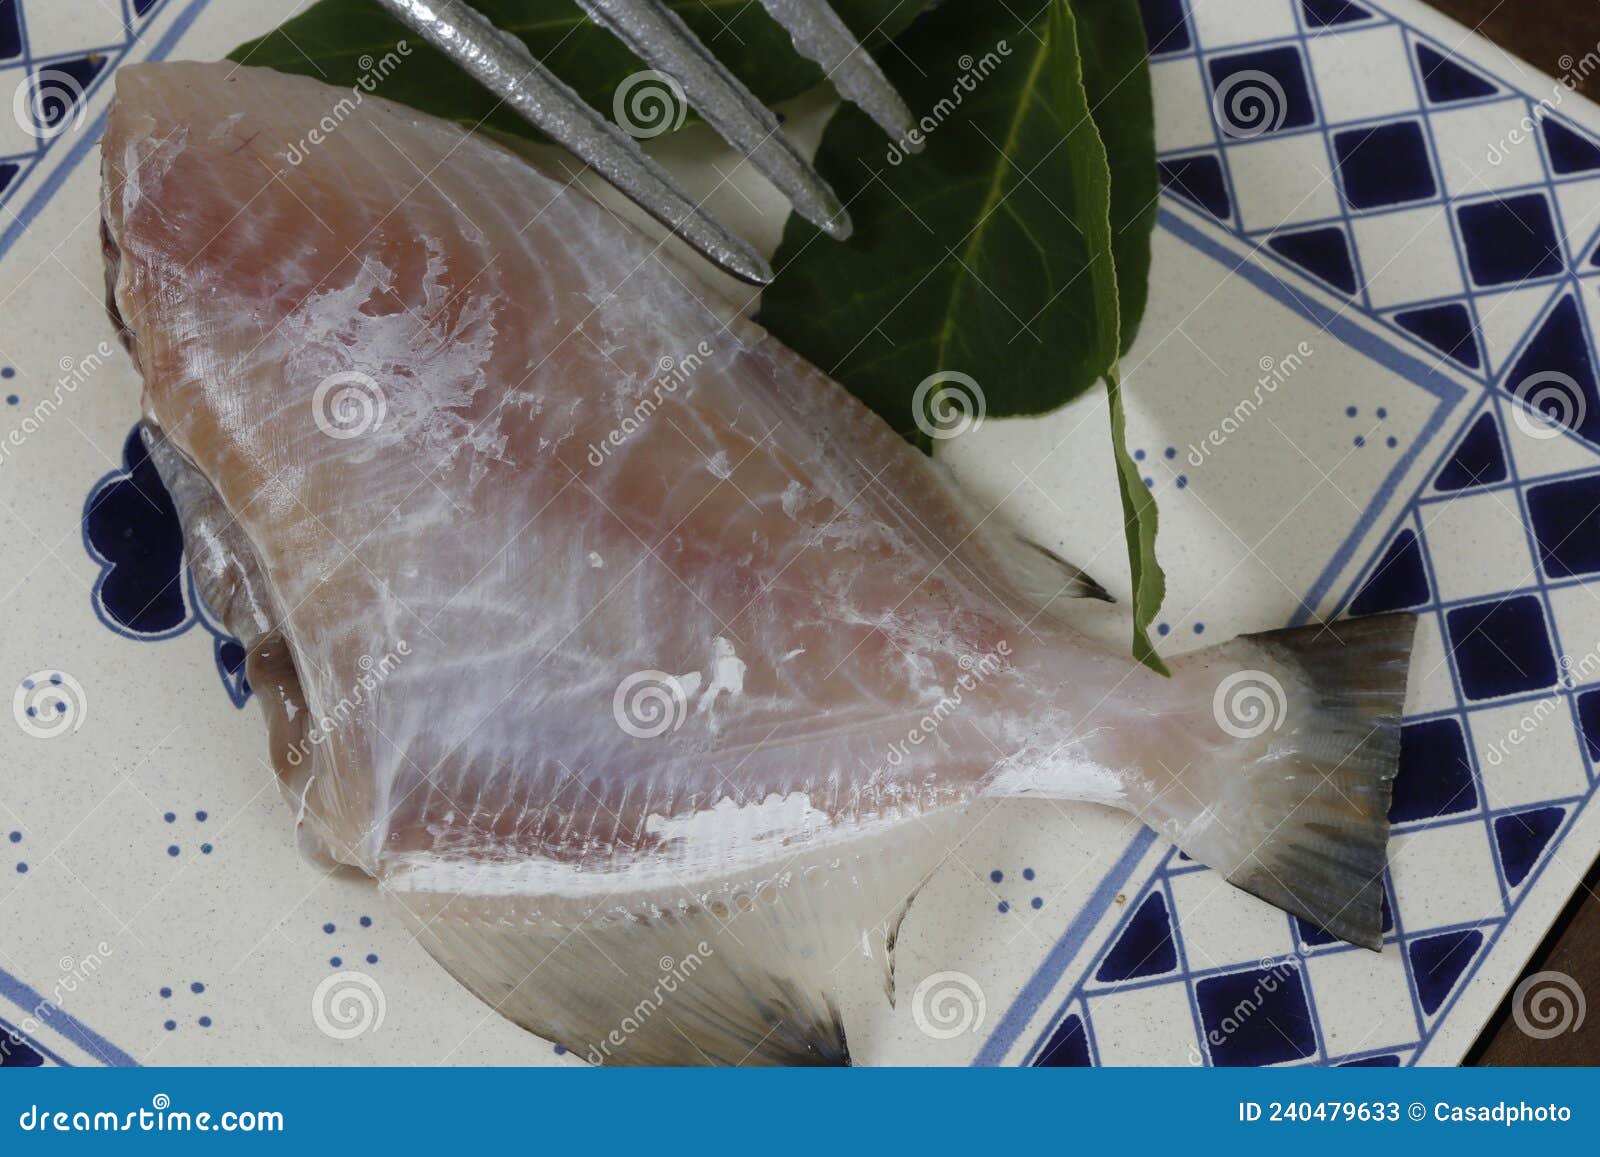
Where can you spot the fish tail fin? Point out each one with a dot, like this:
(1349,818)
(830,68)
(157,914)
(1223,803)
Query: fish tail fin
(1295,805)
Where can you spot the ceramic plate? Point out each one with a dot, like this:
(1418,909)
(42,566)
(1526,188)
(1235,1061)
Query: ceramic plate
(1366,382)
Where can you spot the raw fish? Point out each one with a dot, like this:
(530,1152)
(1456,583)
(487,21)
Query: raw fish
(606,633)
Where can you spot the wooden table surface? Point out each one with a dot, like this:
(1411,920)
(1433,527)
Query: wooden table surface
(1543,32)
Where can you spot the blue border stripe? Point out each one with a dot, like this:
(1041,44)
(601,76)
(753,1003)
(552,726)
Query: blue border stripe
(12,988)
(87,141)
(1348,332)
(11,1036)
(1066,949)
(61,1021)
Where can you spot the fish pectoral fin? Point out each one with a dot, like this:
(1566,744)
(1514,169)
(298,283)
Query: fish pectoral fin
(688,986)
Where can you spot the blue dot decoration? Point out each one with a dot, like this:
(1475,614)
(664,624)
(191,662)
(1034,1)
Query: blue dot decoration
(328,928)
(1182,482)
(1163,630)
(170,817)
(366,921)
(1382,413)
(1391,441)
(15,837)
(1350,411)
(1171,452)
(1360,441)
(1004,907)
(172,849)
(1028,873)
(205,849)
(12,399)
(1037,902)
(335,961)
(372,958)
(997,875)
(201,816)
(1138,455)
(1199,628)
(195,986)
(22,867)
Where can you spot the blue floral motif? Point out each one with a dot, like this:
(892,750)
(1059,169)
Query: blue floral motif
(145,590)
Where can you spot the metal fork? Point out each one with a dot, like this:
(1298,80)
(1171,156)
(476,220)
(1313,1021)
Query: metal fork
(659,37)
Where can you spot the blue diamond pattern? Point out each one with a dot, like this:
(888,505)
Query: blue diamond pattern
(1500,648)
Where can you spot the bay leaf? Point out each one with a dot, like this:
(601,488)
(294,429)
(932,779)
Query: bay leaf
(987,254)
(986,265)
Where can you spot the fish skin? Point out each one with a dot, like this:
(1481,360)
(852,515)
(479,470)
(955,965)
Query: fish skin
(846,652)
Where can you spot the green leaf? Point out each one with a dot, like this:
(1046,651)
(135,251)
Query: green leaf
(993,252)
(338,41)
(1139,522)
(986,254)
(1116,75)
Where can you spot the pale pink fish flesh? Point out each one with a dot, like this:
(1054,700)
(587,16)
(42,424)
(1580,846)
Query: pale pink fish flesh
(465,459)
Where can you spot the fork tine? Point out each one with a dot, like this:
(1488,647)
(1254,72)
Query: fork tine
(659,37)
(821,36)
(504,66)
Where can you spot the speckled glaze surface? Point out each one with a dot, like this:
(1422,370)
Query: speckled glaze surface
(1342,393)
